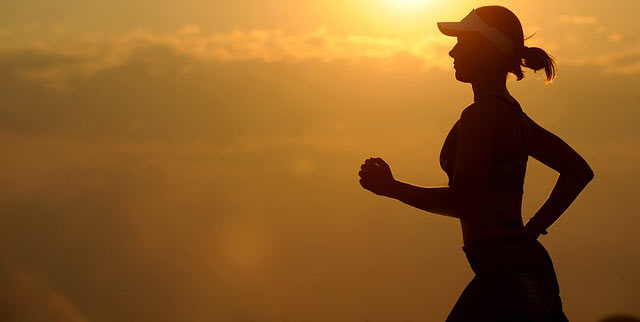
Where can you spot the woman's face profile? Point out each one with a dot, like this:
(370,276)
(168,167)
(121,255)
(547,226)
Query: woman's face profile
(474,57)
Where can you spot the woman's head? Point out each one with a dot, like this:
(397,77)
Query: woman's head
(491,44)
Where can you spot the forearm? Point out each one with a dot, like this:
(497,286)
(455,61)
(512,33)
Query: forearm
(565,191)
(437,200)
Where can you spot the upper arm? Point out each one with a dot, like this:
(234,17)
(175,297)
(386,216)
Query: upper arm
(553,152)
(474,151)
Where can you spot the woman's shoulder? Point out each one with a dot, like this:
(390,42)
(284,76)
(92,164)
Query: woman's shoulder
(487,109)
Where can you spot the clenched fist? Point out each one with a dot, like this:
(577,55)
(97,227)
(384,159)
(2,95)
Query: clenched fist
(375,176)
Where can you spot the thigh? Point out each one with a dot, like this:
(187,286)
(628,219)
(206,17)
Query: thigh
(514,282)
(476,303)
(539,298)
(509,298)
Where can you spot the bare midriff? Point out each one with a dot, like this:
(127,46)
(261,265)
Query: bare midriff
(499,217)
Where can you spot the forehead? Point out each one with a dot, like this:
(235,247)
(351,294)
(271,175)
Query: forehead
(470,37)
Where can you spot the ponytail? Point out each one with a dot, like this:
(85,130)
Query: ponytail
(537,59)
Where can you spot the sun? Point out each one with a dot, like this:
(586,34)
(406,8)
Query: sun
(408,4)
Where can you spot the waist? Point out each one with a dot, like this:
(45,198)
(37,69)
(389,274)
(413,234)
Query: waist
(476,232)
(492,243)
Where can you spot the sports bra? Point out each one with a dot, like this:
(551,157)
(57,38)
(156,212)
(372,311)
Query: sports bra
(506,172)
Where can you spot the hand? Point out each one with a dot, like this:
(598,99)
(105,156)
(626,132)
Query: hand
(375,176)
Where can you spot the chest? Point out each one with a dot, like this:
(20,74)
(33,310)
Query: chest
(508,151)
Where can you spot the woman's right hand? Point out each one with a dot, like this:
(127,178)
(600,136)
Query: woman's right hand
(375,176)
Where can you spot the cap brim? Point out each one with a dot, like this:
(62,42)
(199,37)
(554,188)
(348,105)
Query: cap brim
(452,28)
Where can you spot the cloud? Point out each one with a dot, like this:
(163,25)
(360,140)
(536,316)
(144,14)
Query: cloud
(82,57)
(93,53)
(623,62)
(578,20)
(614,37)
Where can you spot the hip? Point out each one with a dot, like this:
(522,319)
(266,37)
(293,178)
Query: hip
(513,255)
(515,281)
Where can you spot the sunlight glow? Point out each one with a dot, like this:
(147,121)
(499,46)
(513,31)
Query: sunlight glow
(408,4)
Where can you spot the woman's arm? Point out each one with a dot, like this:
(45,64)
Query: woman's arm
(375,176)
(574,171)
(473,159)
(437,200)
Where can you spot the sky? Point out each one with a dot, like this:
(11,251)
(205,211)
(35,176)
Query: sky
(197,161)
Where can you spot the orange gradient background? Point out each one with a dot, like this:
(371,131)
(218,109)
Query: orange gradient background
(197,160)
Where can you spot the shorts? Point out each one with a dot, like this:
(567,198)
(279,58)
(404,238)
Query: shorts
(514,282)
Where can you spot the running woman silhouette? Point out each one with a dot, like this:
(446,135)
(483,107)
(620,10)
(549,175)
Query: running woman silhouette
(485,157)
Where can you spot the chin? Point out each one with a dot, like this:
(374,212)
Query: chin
(462,77)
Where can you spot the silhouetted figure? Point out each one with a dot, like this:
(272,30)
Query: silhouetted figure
(620,318)
(485,157)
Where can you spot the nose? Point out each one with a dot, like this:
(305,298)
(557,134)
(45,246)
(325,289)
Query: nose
(453,51)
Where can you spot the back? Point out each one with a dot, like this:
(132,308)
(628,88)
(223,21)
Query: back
(511,137)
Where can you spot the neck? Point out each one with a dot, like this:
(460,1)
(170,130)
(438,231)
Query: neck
(487,87)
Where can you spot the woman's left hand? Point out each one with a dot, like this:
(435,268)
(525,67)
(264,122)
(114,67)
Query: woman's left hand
(375,176)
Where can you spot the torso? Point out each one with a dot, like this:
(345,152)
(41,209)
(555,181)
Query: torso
(499,216)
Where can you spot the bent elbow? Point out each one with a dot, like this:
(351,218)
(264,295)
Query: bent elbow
(583,174)
(586,173)
(589,175)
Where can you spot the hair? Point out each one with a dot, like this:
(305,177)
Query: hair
(533,58)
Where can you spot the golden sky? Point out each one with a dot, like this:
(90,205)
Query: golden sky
(197,161)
